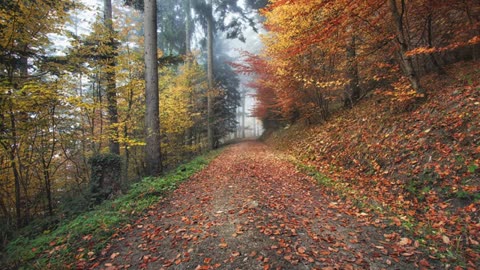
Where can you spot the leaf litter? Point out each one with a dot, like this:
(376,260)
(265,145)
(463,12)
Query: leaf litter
(252,209)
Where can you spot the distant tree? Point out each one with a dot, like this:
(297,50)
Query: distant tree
(227,97)
(257,4)
(188,26)
(214,16)
(210,75)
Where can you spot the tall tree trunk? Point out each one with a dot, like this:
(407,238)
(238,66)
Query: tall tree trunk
(188,26)
(435,63)
(235,134)
(473,22)
(405,61)
(12,152)
(210,29)
(243,113)
(18,196)
(48,188)
(47,160)
(352,89)
(152,119)
(114,145)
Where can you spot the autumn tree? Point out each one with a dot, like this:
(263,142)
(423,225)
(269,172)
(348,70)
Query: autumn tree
(322,53)
(398,17)
(23,33)
(182,88)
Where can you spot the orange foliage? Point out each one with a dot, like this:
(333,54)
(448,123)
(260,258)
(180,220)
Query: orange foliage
(305,63)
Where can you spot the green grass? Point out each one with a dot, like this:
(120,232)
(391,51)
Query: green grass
(91,231)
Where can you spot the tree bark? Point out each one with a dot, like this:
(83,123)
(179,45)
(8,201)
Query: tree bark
(405,61)
(114,145)
(153,160)
(352,89)
(12,151)
(188,26)
(435,63)
(210,29)
(243,113)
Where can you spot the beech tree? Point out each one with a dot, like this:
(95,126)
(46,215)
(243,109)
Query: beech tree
(398,14)
(321,53)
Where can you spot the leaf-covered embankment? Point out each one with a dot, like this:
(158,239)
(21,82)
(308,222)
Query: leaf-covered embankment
(416,165)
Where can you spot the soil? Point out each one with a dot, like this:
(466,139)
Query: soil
(252,209)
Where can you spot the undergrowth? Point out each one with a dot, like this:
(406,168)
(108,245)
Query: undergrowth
(88,233)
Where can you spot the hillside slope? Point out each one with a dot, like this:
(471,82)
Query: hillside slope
(414,165)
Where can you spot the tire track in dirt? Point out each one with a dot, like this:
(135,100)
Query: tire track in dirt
(251,209)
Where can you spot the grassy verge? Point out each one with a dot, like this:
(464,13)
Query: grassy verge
(85,236)
(344,190)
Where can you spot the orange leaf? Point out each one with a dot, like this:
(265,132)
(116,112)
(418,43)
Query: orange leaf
(424,263)
(114,255)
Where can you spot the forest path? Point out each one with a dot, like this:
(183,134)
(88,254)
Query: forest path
(252,209)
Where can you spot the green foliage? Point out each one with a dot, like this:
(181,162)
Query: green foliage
(92,230)
(467,196)
(105,175)
(472,168)
(320,178)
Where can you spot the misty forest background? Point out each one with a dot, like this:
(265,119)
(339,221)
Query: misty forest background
(83,117)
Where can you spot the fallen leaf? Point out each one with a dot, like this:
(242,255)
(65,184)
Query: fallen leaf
(404,241)
(445,239)
(425,263)
(397,221)
(114,255)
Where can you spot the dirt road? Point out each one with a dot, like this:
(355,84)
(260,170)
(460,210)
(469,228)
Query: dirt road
(251,209)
